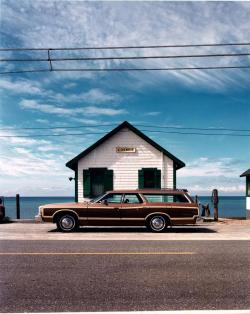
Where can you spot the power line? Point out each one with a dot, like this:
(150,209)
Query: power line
(60,127)
(53,59)
(193,133)
(130,47)
(139,125)
(191,128)
(155,131)
(126,69)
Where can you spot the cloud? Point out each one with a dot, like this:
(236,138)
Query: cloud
(96,96)
(32,104)
(19,141)
(31,87)
(86,121)
(204,174)
(30,167)
(52,109)
(43,121)
(212,167)
(92,110)
(21,86)
(93,96)
(48,148)
(237,188)
(152,113)
(70,85)
(171,23)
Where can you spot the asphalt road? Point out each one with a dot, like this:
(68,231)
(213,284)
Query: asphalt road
(45,276)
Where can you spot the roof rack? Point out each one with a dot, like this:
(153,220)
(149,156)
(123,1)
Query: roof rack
(166,189)
(180,190)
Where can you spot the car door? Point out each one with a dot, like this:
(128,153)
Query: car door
(132,207)
(106,210)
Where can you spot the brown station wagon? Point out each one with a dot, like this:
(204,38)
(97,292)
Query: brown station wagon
(155,208)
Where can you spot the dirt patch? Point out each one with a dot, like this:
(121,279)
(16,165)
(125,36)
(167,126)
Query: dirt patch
(234,221)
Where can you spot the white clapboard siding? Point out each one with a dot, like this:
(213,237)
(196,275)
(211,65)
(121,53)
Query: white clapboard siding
(126,165)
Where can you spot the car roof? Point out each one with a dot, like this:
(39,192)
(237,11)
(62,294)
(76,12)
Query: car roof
(153,191)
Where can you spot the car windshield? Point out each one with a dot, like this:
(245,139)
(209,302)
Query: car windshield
(96,199)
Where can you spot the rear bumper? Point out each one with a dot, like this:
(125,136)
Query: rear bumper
(184,221)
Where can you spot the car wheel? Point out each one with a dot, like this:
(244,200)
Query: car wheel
(157,223)
(67,223)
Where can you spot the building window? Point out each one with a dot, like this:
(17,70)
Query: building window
(97,181)
(149,178)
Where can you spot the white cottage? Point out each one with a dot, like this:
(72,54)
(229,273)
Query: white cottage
(247,175)
(125,158)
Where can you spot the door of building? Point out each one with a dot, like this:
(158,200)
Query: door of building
(97,177)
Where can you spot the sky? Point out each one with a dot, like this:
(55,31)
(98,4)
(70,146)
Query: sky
(35,166)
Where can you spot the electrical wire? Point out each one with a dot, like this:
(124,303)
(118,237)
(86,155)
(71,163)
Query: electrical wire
(130,47)
(59,127)
(126,69)
(138,125)
(155,131)
(53,59)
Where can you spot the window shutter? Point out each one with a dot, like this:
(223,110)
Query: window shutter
(76,184)
(174,177)
(157,178)
(86,183)
(141,179)
(108,180)
(248,186)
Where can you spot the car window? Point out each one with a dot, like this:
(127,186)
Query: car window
(179,198)
(112,198)
(165,198)
(132,199)
(158,198)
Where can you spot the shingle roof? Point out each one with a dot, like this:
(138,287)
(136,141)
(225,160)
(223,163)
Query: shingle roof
(246,173)
(73,162)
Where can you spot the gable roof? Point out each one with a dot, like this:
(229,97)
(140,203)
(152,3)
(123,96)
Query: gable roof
(246,173)
(73,162)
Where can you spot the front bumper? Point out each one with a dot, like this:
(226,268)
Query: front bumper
(38,218)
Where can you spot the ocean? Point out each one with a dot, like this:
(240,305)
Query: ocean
(229,206)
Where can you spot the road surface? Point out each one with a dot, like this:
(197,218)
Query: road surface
(59,276)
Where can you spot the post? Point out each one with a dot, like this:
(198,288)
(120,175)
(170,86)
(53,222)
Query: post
(196,199)
(2,209)
(215,200)
(17,206)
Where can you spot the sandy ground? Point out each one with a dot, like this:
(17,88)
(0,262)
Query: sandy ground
(224,229)
(228,221)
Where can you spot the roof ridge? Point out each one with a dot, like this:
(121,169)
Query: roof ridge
(72,163)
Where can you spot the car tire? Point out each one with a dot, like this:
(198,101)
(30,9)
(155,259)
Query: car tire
(67,223)
(157,223)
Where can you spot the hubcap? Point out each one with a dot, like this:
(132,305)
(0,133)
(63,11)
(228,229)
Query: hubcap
(67,222)
(158,223)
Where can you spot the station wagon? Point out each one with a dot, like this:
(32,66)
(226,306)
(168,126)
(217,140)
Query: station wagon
(156,209)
